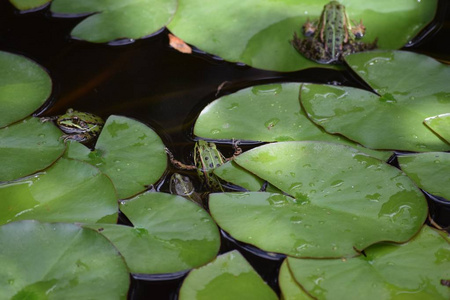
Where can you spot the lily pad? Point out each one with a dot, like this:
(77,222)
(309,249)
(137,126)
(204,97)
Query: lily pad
(393,118)
(27,147)
(265,113)
(290,290)
(413,270)
(229,276)
(68,191)
(258,33)
(24,87)
(430,171)
(440,125)
(129,152)
(112,20)
(328,184)
(25,5)
(59,261)
(170,234)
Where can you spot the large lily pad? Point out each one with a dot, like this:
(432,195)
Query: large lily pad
(24,87)
(27,147)
(229,276)
(430,171)
(129,152)
(170,234)
(258,33)
(68,191)
(341,201)
(415,270)
(112,20)
(393,119)
(440,125)
(265,113)
(59,261)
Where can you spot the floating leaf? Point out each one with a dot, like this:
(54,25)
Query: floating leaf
(290,290)
(394,118)
(258,33)
(27,147)
(170,234)
(59,261)
(265,113)
(229,276)
(68,191)
(25,5)
(430,171)
(113,20)
(387,271)
(129,152)
(330,184)
(440,125)
(24,87)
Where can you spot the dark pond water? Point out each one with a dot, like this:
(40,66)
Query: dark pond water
(151,82)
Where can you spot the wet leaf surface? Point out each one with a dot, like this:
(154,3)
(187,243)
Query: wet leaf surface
(170,234)
(24,87)
(393,119)
(27,147)
(388,271)
(229,276)
(329,184)
(68,191)
(258,33)
(114,20)
(440,125)
(59,261)
(129,152)
(430,171)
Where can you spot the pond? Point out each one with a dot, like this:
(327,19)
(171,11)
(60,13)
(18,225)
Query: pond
(149,81)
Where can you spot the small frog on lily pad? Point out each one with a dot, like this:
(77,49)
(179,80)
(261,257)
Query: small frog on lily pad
(78,126)
(206,158)
(332,37)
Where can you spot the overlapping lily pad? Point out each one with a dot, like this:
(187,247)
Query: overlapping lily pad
(68,191)
(229,276)
(265,113)
(440,125)
(170,234)
(25,5)
(430,171)
(415,270)
(27,147)
(112,20)
(59,261)
(393,118)
(328,184)
(258,33)
(24,87)
(129,152)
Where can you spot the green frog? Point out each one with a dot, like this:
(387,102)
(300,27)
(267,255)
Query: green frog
(78,126)
(206,158)
(183,186)
(332,37)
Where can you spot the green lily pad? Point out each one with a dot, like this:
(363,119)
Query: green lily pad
(430,171)
(25,5)
(329,184)
(59,261)
(229,276)
(129,152)
(170,234)
(394,118)
(27,147)
(290,290)
(112,20)
(265,113)
(68,191)
(387,271)
(24,87)
(440,125)
(258,33)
